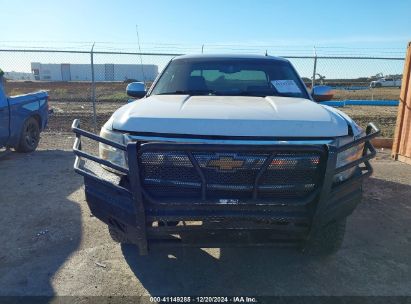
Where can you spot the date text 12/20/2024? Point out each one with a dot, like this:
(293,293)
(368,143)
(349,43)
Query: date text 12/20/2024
(199,299)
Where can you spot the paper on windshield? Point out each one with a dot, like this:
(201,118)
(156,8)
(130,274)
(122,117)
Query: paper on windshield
(286,86)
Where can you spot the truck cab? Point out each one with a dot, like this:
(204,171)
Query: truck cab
(22,118)
(225,150)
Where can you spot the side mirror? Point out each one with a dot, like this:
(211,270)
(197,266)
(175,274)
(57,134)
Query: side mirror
(136,89)
(322,93)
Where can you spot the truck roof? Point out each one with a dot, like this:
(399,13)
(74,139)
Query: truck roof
(200,57)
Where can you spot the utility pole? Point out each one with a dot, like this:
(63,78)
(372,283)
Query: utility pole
(315,69)
(141,57)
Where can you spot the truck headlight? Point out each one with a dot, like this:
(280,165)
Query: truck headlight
(346,157)
(110,153)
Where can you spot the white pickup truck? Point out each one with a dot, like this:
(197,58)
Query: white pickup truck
(226,150)
(386,82)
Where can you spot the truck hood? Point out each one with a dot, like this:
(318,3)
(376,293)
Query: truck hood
(229,116)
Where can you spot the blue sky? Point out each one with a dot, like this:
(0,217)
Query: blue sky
(360,24)
(287,27)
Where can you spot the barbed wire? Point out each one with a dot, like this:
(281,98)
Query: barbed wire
(147,47)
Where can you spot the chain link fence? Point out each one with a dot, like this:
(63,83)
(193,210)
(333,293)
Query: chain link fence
(74,90)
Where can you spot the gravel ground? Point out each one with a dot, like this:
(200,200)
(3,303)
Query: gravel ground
(51,245)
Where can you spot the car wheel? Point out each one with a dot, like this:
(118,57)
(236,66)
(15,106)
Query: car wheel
(29,137)
(327,240)
(378,85)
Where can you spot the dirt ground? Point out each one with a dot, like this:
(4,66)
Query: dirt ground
(384,118)
(386,93)
(51,245)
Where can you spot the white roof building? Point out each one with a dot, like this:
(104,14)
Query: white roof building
(102,72)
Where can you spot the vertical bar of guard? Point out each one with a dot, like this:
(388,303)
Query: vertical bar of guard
(200,173)
(325,190)
(263,168)
(139,210)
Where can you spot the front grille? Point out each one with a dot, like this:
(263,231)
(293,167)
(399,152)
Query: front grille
(230,174)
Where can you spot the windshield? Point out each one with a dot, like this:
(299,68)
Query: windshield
(232,77)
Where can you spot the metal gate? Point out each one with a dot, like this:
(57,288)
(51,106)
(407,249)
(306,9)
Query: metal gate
(401,149)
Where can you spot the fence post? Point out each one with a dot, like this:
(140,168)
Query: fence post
(314,69)
(93,89)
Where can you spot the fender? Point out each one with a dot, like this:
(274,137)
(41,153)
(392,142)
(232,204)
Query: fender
(22,107)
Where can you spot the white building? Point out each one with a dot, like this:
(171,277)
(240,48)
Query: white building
(18,75)
(102,72)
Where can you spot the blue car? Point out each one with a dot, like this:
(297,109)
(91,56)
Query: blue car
(22,118)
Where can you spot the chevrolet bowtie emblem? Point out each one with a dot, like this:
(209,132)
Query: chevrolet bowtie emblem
(225,163)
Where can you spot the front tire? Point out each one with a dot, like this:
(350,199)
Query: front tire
(29,137)
(328,240)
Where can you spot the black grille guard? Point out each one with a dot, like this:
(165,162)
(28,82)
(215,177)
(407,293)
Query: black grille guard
(189,149)
(141,200)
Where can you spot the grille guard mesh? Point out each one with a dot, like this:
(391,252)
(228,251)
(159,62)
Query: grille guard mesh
(229,173)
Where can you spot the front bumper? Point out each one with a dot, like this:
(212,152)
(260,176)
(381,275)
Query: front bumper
(123,202)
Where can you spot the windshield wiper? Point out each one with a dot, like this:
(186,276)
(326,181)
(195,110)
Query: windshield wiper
(265,94)
(189,92)
(221,93)
(256,94)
